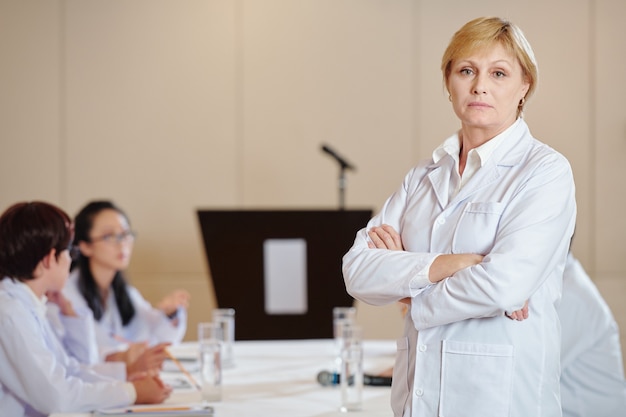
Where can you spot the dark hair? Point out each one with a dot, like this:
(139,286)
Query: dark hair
(87,286)
(28,232)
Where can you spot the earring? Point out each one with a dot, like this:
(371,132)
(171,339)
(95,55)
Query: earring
(450,98)
(522,101)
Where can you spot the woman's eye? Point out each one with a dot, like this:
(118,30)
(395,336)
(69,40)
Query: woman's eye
(466,71)
(108,238)
(499,74)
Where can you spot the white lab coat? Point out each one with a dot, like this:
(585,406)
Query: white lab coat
(592,378)
(460,355)
(37,377)
(78,337)
(148,325)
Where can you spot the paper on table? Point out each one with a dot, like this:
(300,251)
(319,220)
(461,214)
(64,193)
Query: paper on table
(158,410)
(171,366)
(177,382)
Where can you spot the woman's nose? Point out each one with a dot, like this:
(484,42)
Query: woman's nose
(479,89)
(479,85)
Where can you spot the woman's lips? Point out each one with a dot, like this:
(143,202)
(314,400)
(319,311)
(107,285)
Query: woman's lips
(479,104)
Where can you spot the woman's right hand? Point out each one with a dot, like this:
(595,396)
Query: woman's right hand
(151,390)
(150,359)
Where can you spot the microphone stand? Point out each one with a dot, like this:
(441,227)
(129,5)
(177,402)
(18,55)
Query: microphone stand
(343,166)
(342,186)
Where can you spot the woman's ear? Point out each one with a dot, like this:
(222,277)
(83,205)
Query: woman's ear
(525,87)
(46,260)
(85,248)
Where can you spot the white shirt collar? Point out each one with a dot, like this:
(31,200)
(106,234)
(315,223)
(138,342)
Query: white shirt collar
(452,147)
(39,303)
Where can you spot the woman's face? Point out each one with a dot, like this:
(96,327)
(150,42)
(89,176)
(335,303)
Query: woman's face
(486,88)
(111,242)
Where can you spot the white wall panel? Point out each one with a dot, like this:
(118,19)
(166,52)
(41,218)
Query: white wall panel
(151,118)
(329,72)
(31,144)
(609,196)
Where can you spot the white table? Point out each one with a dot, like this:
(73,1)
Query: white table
(279,378)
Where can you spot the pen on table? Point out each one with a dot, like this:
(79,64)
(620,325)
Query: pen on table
(183,370)
(172,358)
(155,409)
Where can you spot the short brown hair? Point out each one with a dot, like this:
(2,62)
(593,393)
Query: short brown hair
(28,232)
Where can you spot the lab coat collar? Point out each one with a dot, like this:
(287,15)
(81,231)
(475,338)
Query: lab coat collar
(508,154)
(21,291)
(439,177)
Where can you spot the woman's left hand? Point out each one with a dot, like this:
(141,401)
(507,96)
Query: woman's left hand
(384,237)
(519,315)
(173,301)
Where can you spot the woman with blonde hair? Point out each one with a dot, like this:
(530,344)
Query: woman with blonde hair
(476,235)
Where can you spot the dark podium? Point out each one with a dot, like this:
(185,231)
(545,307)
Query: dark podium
(236,245)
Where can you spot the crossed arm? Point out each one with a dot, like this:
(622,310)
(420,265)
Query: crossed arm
(444,266)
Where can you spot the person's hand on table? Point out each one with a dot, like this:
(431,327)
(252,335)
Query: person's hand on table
(151,359)
(151,390)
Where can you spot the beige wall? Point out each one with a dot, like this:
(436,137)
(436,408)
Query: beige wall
(171,106)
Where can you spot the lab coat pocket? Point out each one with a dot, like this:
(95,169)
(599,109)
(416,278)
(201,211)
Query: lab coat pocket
(400,388)
(476,379)
(476,229)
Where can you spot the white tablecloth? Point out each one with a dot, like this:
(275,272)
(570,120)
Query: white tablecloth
(279,378)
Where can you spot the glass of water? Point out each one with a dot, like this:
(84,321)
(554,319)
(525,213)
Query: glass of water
(225,319)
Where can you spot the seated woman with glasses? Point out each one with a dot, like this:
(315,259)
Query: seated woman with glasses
(37,377)
(125,323)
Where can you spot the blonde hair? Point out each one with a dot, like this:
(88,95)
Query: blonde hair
(484,32)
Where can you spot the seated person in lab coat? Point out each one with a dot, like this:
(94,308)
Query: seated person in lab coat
(76,331)
(37,377)
(592,375)
(126,325)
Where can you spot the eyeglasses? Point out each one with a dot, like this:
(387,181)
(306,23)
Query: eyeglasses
(74,252)
(125,236)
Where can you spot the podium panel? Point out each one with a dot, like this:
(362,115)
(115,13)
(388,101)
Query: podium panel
(305,243)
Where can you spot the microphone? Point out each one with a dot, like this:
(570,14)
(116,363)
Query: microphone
(344,164)
(326,378)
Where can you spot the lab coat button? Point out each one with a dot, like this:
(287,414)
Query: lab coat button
(422,348)
(419,392)
(441,220)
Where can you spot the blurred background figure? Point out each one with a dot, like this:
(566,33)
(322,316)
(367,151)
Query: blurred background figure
(126,325)
(592,375)
(37,377)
